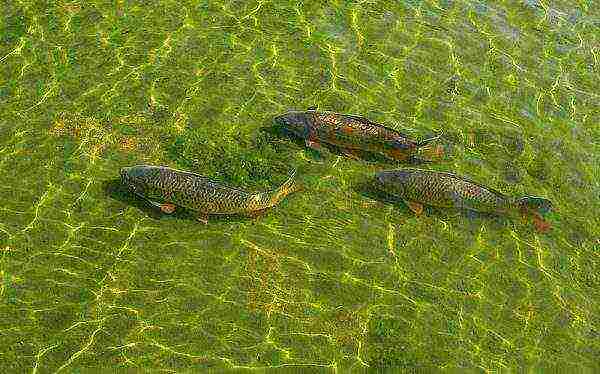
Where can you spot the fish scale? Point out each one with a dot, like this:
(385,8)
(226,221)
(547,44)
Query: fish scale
(445,190)
(163,185)
(349,132)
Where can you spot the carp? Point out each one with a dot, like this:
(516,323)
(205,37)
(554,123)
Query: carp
(351,133)
(417,187)
(167,188)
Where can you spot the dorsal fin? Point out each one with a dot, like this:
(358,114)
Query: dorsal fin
(366,120)
(359,118)
(468,179)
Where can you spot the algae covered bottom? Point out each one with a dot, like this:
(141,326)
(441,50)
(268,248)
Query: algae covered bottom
(91,280)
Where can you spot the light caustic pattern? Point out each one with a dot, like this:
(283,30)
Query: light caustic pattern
(333,277)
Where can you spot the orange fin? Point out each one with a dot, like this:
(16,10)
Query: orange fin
(436,152)
(417,208)
(314,144)
(351,153)
(397,154)
(541,225)
(203,217)
(257,213)
(167,208)
(348,130)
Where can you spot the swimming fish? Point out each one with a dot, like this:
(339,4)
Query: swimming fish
(349,132)
(417,187)
(168,188)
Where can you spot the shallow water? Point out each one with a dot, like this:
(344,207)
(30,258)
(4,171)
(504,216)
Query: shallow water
(335,276)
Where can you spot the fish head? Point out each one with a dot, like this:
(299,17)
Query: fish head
(295,122)
(136,178)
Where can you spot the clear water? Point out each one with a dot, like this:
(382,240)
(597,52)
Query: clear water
(334,277)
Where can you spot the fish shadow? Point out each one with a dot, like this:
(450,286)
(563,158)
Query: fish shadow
(279,132)
(115,190)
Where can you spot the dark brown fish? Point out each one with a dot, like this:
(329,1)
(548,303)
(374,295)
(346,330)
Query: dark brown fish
(167,188)
(417,187)
(349,132)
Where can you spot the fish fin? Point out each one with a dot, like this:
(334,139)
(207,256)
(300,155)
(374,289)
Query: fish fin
(397,154)
(534,204)
(314,144)
(360,119)
(353,154)
(288,187)
(348,130)
(257,213)
(167,208)
(417,208)
(434,153)
(311,139)
(428,140)
(153,203)
(203,217)
(541,225)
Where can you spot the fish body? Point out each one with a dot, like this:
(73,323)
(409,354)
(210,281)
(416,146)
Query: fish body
(349,132)
(419,187)
(166,187)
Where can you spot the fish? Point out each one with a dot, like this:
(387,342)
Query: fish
(417,187)
(168,188)
(351,133)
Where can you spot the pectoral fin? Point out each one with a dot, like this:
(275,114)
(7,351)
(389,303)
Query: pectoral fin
(153,203)
(417,208)
(314,144)
(435,153)
(167,208)
(257,213)
(541,225)
(203,217)
(397,154)
(351,153)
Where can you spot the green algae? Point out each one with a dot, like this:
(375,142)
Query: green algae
(90,277)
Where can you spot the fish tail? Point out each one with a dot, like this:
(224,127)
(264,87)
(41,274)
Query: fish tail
(535,207)
(423,143)
(273,198)
(431,152)
(534,204)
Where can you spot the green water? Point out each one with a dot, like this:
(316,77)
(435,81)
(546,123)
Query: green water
(334,277)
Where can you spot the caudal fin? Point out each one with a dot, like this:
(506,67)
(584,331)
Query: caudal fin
(423,143)
(285,189)
(536,207)
(431,152)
